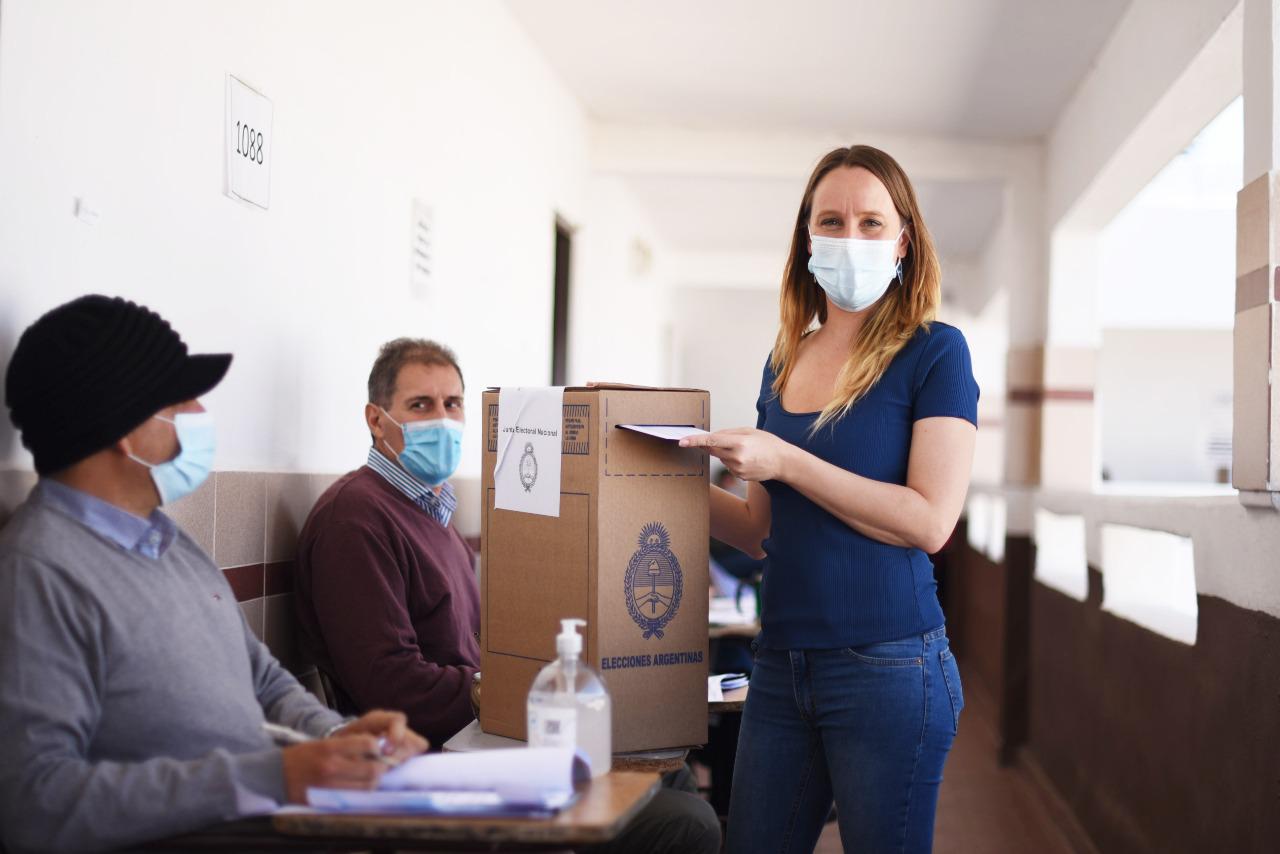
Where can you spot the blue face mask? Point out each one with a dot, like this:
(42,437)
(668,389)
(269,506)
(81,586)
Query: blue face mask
(432,449)
(183,474)
(855,273)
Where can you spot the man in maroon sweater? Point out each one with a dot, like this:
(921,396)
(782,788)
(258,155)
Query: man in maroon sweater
(388,605)
(387,599)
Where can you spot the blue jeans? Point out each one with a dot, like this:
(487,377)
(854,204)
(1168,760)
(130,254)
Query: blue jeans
(869,727)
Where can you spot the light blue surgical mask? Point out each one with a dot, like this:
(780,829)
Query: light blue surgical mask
(183,474)
(854,273)
(432,449)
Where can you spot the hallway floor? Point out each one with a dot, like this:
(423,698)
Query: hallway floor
(983,808)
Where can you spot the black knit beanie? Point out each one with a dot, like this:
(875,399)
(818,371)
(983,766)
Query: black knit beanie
(90,371)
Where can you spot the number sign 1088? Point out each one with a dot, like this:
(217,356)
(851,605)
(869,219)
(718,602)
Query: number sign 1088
(249,143)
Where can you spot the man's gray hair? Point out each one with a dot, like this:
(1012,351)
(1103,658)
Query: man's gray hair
(394,355)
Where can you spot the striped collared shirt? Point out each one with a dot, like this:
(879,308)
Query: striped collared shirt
(438,506)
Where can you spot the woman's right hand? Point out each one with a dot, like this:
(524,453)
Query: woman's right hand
(749,454)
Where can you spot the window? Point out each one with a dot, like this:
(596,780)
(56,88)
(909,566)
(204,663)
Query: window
(1061,559)
(1167,307)
(1149,577)
(986,524)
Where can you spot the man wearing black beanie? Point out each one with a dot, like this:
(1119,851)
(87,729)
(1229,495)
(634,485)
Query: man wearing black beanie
(132,692)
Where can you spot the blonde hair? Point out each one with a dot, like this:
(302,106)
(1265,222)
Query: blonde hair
(895,319)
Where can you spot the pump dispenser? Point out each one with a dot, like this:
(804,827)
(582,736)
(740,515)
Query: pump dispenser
(569,705)
(569,642)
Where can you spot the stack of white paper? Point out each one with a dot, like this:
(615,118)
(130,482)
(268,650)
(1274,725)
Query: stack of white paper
(724,611)
(717,685)
(531,781)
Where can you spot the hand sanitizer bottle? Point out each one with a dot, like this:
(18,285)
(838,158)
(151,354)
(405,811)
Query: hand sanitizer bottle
(569,705)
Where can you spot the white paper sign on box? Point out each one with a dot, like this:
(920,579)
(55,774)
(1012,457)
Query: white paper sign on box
(248,143)
(526,476)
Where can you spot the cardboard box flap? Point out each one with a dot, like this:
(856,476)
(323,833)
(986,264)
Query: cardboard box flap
(631,454)
(539,575)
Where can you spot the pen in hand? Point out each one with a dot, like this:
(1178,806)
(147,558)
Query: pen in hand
(283,735)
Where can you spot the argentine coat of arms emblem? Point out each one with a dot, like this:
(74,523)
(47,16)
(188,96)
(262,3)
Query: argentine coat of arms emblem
(528,468)
(653,581)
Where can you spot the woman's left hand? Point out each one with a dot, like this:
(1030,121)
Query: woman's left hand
(748,453)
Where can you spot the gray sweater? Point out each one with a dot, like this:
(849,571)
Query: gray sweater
(132,692)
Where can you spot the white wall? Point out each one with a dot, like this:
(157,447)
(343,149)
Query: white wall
(987,333)
(722,337)
(1235,546)
(1169,269)
(1167,69)
(122,104)
(1127,120)
(1163,395)
(724,334)
(1015,257)
(1165,271)
(1168,259)
(619,322)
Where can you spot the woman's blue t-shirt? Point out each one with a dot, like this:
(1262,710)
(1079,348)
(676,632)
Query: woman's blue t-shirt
(827,586)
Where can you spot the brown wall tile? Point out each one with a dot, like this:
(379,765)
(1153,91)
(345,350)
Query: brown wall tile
(980,598)
(1024,367)
(321,482)
(1070,367)
(1254,225)
(254,611)
(14,486)
(1020,561)
(1068,452)
(1156,745)
(987,606)
(247,582)
(279,577)
(240,518)
(195,513)
(290,498)
(1273,403)
(1253,289)
(281,635)
(1251,401)
(1022,444)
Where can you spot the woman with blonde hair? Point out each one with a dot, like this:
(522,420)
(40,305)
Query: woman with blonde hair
(857,469)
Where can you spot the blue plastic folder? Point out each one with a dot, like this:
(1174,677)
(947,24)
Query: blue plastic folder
(532,782)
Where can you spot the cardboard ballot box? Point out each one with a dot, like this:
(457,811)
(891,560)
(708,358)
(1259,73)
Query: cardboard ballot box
(627,553)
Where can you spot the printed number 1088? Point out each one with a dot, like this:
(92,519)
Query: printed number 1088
(249,143)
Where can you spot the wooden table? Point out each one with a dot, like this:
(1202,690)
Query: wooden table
(471,738)
(734,630)
(603,809)
(733,701)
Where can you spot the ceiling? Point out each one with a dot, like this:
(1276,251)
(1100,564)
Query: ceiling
(730,214)
(975,69)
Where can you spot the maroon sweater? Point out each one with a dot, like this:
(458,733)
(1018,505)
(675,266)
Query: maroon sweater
(388,605)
